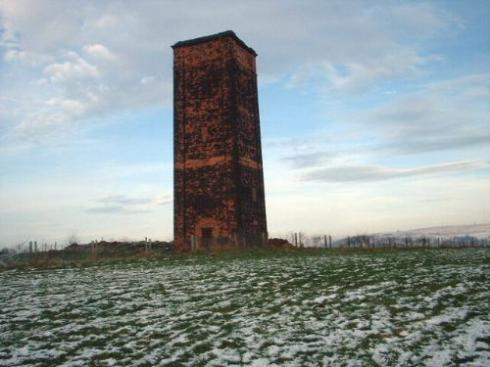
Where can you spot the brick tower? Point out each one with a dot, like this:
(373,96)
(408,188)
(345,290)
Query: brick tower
(218,178)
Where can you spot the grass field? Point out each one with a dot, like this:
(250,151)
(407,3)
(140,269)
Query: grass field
(310,308)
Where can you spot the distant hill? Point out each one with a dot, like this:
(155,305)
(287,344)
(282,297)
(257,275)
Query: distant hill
(474,230)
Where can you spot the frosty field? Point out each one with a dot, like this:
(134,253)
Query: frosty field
(300,309)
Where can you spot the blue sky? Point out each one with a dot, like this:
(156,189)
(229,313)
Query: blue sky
(374,115)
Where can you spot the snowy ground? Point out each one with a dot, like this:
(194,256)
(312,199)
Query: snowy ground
(403,308)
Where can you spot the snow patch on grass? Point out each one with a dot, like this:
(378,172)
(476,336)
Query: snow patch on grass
(404,308)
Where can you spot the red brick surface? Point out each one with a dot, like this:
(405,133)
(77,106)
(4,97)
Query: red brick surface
(218,188)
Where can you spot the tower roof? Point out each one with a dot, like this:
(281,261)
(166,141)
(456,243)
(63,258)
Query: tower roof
(211,37)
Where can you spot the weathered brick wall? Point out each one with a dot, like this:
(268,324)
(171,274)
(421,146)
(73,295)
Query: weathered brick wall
(218,162)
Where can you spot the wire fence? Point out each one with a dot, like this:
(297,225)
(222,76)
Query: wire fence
(301,239)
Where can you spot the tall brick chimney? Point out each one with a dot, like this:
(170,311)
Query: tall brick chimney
(218,177)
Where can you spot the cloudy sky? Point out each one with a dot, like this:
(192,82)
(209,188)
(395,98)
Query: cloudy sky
(375,114)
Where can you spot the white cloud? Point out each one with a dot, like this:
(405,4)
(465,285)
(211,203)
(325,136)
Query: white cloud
(359,74)
(14,55)
(147,79)
(123,204)
(70,106)
(99,51)
(439,112)
(362,75)
(353,48)
(106,21)
(164,199)
(69,70)
(378,173)
(450,116)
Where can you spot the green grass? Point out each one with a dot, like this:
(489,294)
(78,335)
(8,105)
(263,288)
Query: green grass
(294,307)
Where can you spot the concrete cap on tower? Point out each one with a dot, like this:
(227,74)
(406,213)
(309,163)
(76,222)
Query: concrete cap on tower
(211,37)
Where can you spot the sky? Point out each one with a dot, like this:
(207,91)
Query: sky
(374,114)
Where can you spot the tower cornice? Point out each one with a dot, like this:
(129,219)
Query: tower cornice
(211,37)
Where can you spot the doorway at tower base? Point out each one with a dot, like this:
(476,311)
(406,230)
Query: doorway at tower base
(208,241)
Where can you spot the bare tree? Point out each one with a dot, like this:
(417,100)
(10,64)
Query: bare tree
(73,240)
